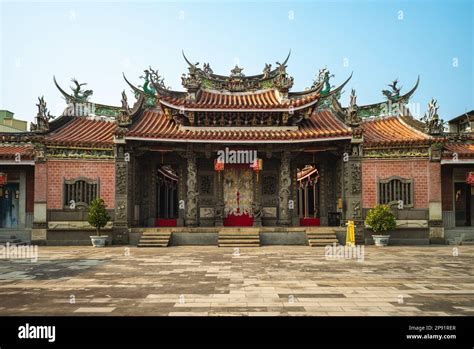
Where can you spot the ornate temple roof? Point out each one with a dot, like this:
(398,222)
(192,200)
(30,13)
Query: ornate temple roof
(392,131)
(8,151)
(153,125)
(233,108)
(210,100)
(82,131)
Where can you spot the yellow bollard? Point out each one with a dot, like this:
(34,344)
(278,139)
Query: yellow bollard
(350,236)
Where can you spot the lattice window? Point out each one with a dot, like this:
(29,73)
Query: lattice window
(80,192)
(205,185)
(395,190)
(269,185)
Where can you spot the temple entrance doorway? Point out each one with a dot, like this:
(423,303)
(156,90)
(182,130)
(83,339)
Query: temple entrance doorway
(166,196)
(308,195)
(9,205)
(463,204)
(238,196)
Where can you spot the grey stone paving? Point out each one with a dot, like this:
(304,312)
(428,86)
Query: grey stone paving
(207,280)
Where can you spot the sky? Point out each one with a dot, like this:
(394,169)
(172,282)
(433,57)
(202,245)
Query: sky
(378,41)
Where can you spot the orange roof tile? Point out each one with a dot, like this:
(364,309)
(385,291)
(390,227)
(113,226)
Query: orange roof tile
(81,131)
(264,99)
(321,125)
(392,131)
(464,150)
(9,151)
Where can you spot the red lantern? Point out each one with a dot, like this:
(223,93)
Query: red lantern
(3,178)
(470,178)
(257,166)
(218,166)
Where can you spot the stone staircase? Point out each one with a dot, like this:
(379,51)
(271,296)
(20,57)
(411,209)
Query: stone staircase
(153,237)
(239,237)
(321,236)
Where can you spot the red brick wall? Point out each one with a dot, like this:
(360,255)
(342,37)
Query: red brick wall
(58,170)
(41,182)
(426,177)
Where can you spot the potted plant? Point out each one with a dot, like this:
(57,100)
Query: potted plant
(381,219)
(98,218)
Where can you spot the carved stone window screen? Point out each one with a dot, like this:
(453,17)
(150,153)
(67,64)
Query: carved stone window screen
(80,190)
(269,184)
(395,189)
(206,184)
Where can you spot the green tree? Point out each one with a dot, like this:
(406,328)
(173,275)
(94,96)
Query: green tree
(381,219)
(98,216)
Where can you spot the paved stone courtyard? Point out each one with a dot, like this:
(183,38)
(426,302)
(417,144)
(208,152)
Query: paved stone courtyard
(205,280)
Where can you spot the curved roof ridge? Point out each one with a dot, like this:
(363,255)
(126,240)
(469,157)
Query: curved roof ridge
(413,128)
(240,93)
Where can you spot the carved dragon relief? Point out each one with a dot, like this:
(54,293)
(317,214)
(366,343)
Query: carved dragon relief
(356,177)
(192,194)
(285,184)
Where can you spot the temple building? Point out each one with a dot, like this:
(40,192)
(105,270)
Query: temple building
(232,154)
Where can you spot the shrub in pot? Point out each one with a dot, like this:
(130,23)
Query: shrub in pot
(98,218)
(381,219)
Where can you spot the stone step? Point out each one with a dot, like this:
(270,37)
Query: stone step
(326,236)
(240,234)
(161,241)
(156,236)
(321,238)
(155,233)
(243,235)
(239,245)
(239,239)
(151,245)
(154,239)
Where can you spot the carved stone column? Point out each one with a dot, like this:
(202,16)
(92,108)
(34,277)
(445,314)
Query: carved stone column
(352,169)
(219,208)
(295,219)
(121,222)
(285,187)
(191,193)
(40,217)
(323,199)
(257,201)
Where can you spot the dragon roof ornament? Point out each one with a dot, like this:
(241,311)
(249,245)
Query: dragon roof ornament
(42,117)
(434,125)
(395,103)
(235,82)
